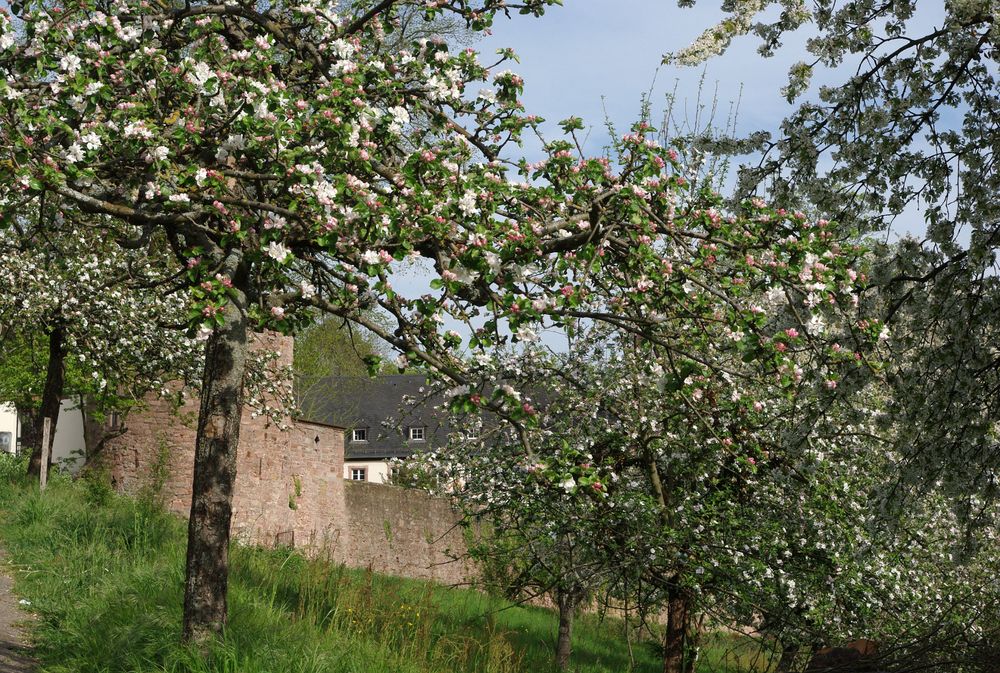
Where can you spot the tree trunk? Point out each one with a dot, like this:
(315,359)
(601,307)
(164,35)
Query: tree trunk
(29,424)
(564,643)
(692,644)
(207,577)
(55,377)
(787,659)
(675,639)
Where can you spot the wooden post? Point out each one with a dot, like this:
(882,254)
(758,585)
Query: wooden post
(43,476)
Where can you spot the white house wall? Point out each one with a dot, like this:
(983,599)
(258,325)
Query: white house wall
(377,471)
(8,427)
(68,447)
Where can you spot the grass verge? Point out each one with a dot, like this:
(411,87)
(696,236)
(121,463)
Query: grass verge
(104,573)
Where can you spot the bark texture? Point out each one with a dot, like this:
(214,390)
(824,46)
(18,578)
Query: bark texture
(564,642)
(52,393)
(207,574)
(788,653)
(675,641)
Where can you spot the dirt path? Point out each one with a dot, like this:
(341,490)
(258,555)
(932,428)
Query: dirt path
(15,654)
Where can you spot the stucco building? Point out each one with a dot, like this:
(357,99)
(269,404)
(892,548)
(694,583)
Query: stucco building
(10,428)
(68,445)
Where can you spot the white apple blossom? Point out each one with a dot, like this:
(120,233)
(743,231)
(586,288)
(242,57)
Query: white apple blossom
(467,204)
(278,251)
(526,334)
(70,63)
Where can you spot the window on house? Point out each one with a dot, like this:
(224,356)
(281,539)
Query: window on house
(417,434)
(5,442)
(359,474)
(360,435)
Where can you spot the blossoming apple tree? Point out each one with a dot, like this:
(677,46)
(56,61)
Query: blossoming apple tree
(779,527)
(682,406)
(912,128)
(275,148)
(104,316)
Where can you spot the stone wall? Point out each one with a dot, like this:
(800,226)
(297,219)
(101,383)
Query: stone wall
(286,480)
(290,491)
(401,531)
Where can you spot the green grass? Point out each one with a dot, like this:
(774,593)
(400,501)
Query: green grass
(104,573)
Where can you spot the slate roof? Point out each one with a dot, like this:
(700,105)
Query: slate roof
(380,405)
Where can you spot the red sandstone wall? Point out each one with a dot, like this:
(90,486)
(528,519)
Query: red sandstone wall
(288,486)
(404,532)
(286,480)
(289,490)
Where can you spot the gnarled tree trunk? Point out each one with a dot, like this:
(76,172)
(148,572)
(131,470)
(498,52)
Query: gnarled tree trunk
(564,643)
(52,393)
(207,575)
(675,641)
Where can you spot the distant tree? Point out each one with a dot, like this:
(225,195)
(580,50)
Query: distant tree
(331,348)
(663,435)
(681,501)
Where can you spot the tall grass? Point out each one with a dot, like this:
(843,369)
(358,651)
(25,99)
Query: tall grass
(104,573)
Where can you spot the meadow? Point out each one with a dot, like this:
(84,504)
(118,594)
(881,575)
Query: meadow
(104,575)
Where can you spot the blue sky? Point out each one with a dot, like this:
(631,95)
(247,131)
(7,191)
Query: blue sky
(595,56)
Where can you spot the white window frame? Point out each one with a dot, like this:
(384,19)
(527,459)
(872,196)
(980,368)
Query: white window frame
(417,429)
(362,431)
(359,474)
